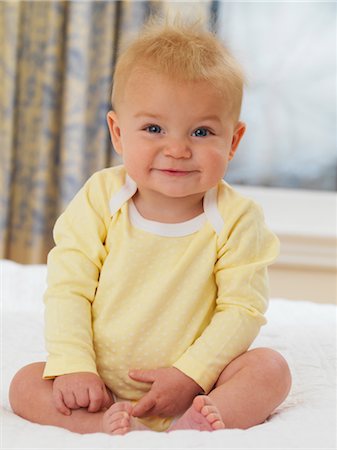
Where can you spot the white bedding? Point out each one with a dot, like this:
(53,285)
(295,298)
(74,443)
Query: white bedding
(304,332)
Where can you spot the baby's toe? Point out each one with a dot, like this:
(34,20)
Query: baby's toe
(209,409)
(122,431)
(117,419)
(218,425)
(211,413)
(120,426)
(121,423)
(212,418)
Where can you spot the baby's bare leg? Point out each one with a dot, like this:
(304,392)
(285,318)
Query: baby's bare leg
(246,393)
(251,387)
(31,398)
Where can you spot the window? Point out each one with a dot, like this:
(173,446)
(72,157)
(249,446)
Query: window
(288,51)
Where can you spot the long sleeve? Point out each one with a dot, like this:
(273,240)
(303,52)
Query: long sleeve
(242,298)
(73,271)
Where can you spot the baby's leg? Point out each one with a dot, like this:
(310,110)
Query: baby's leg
(246,393)
(31,398)
(251,387)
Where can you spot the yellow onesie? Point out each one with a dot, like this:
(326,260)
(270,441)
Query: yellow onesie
(127,293)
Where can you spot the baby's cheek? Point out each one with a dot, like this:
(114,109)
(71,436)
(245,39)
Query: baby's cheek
(216,168)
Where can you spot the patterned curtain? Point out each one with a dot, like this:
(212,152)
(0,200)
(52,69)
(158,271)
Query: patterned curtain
(56,65)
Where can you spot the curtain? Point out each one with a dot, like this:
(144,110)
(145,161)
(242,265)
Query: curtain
(58,60)
(56,67)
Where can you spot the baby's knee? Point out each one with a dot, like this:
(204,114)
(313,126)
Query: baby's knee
(274,367)
(23,384)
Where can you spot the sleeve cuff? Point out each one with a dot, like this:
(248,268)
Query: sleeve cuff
(55,368)
(201,374)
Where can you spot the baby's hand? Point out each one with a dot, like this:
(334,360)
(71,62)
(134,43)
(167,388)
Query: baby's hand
(80,390)
(171,393)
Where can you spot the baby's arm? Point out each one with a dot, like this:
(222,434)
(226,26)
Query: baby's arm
(245,248)
(171,393)
(80,390)
(74,266)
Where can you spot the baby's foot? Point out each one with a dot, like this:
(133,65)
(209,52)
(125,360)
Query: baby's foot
(203,415)
(117,419)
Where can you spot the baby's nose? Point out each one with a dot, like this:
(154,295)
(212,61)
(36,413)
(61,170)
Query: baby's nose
(177,148)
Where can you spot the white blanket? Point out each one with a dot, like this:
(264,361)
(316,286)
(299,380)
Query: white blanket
(304,332)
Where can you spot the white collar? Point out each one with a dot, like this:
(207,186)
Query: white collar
(165,229)
(211,213)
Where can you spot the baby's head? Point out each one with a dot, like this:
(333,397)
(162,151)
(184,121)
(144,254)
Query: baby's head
(184,53)
(176,104)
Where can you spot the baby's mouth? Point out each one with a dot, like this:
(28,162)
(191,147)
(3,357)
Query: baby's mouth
(176,172)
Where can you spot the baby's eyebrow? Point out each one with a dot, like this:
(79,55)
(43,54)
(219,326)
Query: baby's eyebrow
(144,114)
(209,119)
(148,115)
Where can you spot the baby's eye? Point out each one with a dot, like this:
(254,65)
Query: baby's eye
(201,132)
(153,129)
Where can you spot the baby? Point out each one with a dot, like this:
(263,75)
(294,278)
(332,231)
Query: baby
(157,284)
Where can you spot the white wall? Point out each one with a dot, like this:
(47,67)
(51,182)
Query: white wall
(305,222)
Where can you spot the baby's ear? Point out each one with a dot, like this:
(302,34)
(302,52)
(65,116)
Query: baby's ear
(239,131)
(115,132)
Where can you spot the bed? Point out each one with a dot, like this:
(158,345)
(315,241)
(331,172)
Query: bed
(304,332)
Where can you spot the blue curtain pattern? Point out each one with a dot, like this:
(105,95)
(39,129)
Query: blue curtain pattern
(57,64)
(56,67)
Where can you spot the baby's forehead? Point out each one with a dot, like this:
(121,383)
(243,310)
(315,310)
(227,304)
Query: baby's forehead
(144,81)
(162,99)
(143,76)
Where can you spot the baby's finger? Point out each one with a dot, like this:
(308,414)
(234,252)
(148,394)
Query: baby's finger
(69,400)
(108,399)
(144,405)
(82,399)
(95,399)
(147,376)
(59,403)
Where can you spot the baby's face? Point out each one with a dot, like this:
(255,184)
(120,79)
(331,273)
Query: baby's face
(175,138)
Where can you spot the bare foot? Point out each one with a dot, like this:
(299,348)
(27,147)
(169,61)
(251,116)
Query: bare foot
(117,419)
(203,415)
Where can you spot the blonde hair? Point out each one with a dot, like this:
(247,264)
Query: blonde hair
(184,52)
